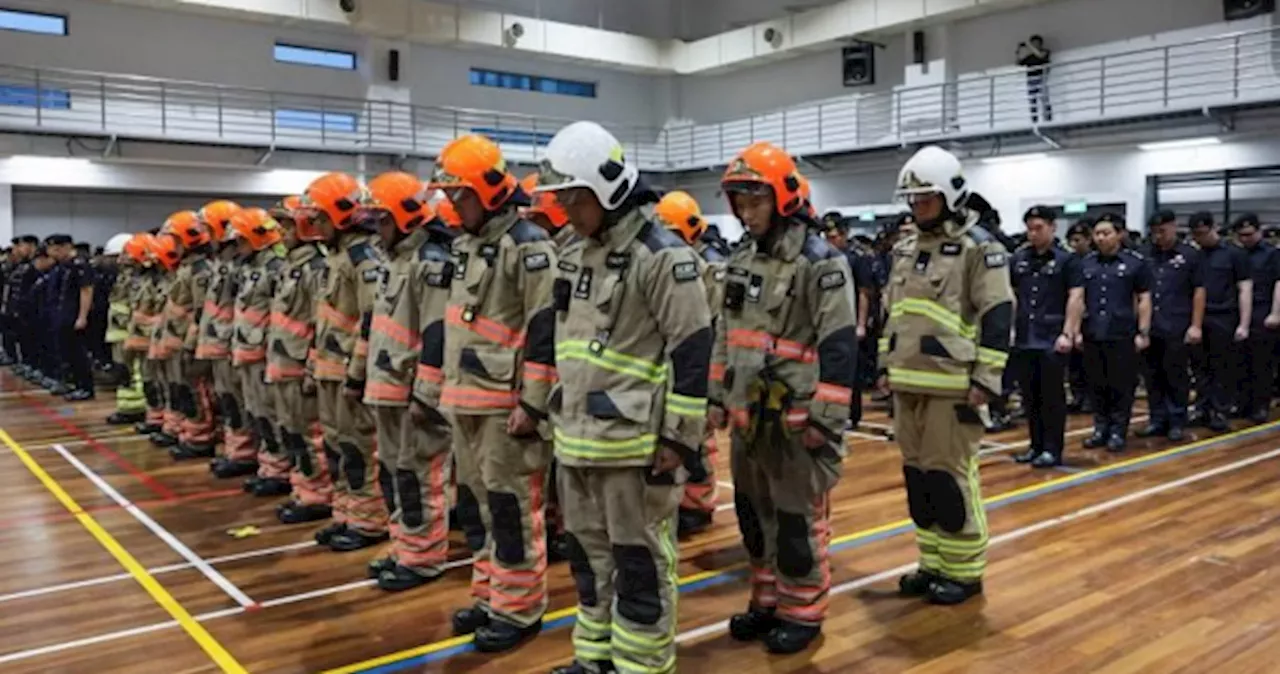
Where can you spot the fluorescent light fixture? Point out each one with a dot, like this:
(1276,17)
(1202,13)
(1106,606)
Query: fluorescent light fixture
(1180,144)
(1015,158)
(38,161)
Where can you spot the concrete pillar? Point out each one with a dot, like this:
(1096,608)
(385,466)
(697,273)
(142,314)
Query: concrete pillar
(6,214)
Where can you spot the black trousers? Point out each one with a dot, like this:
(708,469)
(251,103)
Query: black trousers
(1113,372)
(75,349)
(1079,379)
(1044,399)
(1218,375)
(1166,368)
(1257,372)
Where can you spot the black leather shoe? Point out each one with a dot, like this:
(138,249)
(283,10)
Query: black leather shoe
(789,637)
(184,451)
(59,389)
(323,536)
(915,584)
(351,540)
(602,666)
(1098,439)
(1176,434)
(297,513)
(163,439)
(1151,431)
(557,548)
(1027,456)
(1260,417)
(376,567)
(754,624)
(250,484)
(690,522)
(271,486)
(1046,460)
(468,620)
(499,636)
(225,469)
(125,418)
(949,593)
(78,396)
(1218,423)
(400,578)
(145,428)
(1115,443)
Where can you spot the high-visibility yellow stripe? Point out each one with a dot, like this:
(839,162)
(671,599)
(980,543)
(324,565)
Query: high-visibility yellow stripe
(215,650)
(586,448)
(614,361)
(882,345)
(686,405)
(935,312)
(601,630)
(992,357)
(938,380)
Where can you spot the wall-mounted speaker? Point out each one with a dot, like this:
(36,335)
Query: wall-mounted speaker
(859,64)
(1246,9)
(393,65)
(917,47)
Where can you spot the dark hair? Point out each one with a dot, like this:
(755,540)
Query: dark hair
(1116,222)
(1036,38)
(1246,220)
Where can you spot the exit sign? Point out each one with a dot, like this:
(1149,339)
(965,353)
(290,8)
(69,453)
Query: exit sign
(1075,207)
(868,216)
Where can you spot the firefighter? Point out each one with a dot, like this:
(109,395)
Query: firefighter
(131,406)
(406,342)
(344,313)
(264,261)
(498,368)
(946,345)
(680,213)
(291,339)
(787,343)
(181,241)
(633,349)
(148,316)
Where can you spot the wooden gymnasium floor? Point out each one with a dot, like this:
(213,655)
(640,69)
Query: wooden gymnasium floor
(114,559)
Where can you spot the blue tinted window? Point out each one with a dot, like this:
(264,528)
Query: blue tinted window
(514,136)
(315,120)
(28,97)
(33,22)
(545,85)
(308,56)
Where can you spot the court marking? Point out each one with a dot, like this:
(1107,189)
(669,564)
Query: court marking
(198,633)
(163,534)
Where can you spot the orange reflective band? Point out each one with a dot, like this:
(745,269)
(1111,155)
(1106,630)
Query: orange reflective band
(431,375)
(136,343)
(830,393)
(798,418)
(212,351)
(377,390)
(485,327)
(362,348)
(717,372)
(540,372)
(398,333)
(248,355)
(280,372)
(326,312)
(213,309)
(255,317)
(763,341)
(171,342)
(740,417)
(176,311)
(329,368)
(291,325)
(456,396)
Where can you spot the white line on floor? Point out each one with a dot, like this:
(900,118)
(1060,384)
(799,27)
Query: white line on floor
(172,541)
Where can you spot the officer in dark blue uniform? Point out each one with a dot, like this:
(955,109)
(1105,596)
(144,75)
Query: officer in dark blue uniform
(1080,244)
(1228,309)
(10,260)
(1259,366)
(18,285)
(1177,298)
(1041,274)
(75,299)
(1109,280)
(36,307)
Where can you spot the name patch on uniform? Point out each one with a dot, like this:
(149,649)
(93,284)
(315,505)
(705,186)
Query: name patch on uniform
(566,266)
(684,272)
(995,260)
(438,280)
(617,260)
(583,289)
(922,261)
(460,269)
(719,275)
(488,252)
(950,248)
(536,261)
(754,290)
(831,280)
(371,275)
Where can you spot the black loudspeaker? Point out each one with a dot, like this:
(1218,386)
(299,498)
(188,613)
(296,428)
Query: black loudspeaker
(917,47)
(1246,9)
(393,65)
(859,65)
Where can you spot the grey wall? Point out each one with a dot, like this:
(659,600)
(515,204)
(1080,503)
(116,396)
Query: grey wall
(97,216)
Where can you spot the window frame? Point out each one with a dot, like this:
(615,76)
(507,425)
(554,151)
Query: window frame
(42,98)
(538,84)
(326,121)
(275,54)
(66,22)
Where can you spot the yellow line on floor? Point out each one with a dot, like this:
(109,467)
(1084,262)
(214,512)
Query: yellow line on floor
(215,650)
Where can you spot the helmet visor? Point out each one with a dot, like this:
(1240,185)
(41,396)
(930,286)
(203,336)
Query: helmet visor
(552,180)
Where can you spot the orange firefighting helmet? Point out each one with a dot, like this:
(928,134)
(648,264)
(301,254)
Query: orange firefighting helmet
(215,216)
(447,213)
(139,247)
(806,193)
(402,195)
(164,248)
(475,162)
(337,195)
(186,226)
(303,218)
(256,227)
(543,203)
(680,213)
(764,166)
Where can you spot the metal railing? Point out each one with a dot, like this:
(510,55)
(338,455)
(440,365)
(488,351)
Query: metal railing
(1233,69)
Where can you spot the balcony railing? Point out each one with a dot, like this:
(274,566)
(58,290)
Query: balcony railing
(1234,69)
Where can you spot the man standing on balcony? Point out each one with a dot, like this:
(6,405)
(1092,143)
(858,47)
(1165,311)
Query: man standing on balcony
(1033,56)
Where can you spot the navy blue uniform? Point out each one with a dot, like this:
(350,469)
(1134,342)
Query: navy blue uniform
(1110,283)
(1041,284)
(19,306)
(1259,362)
(74,343)
(104,278)
(1176,274)
(1224,266)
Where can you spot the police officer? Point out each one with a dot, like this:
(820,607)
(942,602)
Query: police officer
(17,286)
(1110,282)
(41,306)
(1041,274)
(861,270)
(948,338)
(1177,298)
(1258,372)
(1080,244)
(1228,314)
(75,300)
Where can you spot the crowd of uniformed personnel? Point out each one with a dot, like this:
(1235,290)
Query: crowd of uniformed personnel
(554,365)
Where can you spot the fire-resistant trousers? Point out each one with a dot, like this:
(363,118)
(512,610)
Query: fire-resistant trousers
(414,468)
(239,437)
(259,402)
(155,387)
(351,449)
(130,398)
(302,437)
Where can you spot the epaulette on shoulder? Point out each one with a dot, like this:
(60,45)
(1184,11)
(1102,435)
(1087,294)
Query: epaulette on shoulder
(360,252)
(657,238)
(433,251)
(317,263)
(979,235)
(526,232)
(201,265)
(1135,253)
(816,249)
(710,254)
(275,263)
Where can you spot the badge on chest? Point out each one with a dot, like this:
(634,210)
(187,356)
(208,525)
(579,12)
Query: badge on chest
(756,288)
(460,264)
(582,290)
(922,261)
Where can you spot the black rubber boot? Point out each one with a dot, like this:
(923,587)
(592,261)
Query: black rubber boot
(144,428)
(225,469)
(500,636)
(789,637)
(400,578)
(752,625)
(184,452)
(468,620)
(350,540)
(323,536)
(126,418)
(949,593)
(915,584)
(271,486)
(296,513)
(1218,423)
(690,522)
(162,439)
(376,567)
(602,666)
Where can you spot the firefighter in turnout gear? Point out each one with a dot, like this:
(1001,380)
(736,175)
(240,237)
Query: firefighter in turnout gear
(944,353)
(633,349)
(131,405)
(137,341)
(258,238)
(147,318)
(499,363)
(406,342)
(188,418)
(344,315)
(785,344)
(679,212)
